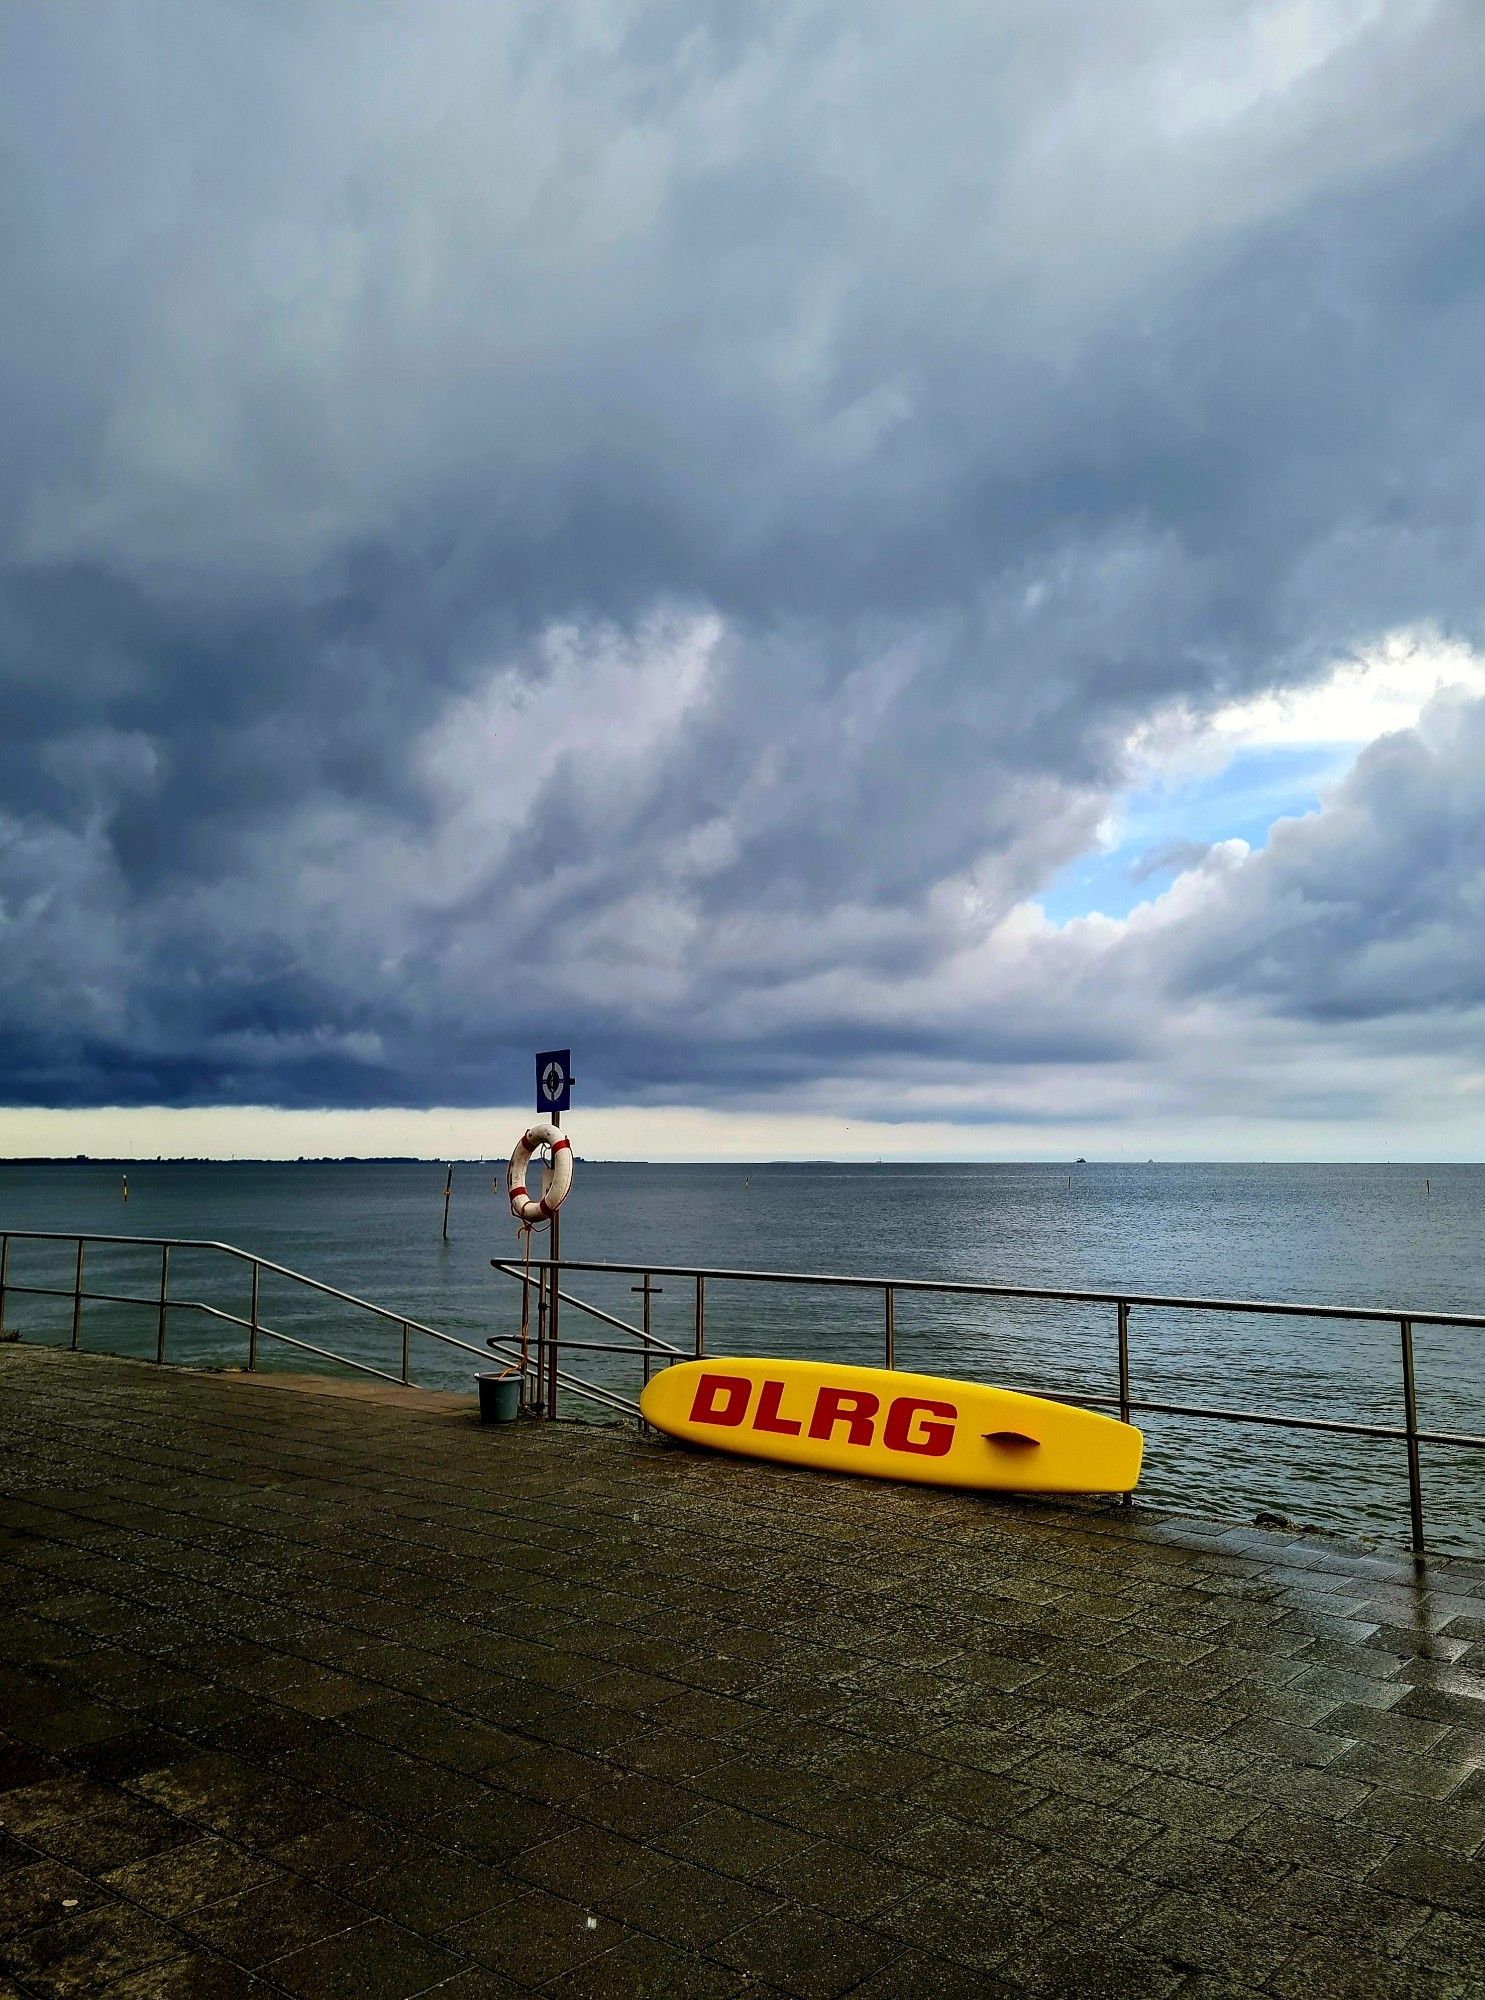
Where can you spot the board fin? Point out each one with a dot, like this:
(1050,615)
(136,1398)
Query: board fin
(1009,1437)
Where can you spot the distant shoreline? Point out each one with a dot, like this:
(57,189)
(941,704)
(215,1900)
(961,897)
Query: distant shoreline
(588,1160)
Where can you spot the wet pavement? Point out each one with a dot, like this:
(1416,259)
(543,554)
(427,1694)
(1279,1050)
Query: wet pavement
(344,1697)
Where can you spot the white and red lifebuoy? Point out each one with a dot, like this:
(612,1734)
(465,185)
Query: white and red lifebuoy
(556,1178)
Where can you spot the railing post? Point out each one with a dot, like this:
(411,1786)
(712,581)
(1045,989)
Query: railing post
(404,1350)
(164,1300)
(647,1291)
(253,1319)
(77,1297)
(1410,1419)
(4,1268)
(1123,1362)
(890,1297)
(1127,1499)
(700,1317)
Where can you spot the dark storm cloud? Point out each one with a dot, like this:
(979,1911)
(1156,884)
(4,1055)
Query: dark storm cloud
(656,526)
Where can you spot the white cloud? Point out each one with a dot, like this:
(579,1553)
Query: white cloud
(1386,687)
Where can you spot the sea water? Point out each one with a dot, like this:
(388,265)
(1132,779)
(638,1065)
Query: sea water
(1398,1237)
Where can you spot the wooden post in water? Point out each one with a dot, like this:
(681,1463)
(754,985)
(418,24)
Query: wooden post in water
(126,1188)
(448,1186)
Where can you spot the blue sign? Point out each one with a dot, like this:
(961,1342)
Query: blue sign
(554,1080)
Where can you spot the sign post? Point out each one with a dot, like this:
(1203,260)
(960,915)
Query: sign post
(553,1097)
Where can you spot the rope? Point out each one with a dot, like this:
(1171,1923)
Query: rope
(525,1231)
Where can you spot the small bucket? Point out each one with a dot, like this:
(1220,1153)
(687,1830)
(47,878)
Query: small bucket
(500,1398)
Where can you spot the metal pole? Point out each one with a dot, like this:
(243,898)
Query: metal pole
(1410,1419)
(77,1298)
(890,1297)
(4,1267)
(164,1290)
(647,1292)
(556,1301)
(541,1342)
(404,1350)
(1127,1499)
(1123,1362)
(253,1319)
(700,1317)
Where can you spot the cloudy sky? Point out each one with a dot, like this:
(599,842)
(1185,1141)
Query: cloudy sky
(904,579)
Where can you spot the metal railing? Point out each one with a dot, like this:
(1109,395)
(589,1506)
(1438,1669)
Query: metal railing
(546,1276)
(252,1323)
(544,1376)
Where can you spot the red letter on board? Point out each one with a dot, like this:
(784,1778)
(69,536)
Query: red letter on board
(852,1407)
(768,1418)
(721,1399)
(932,1441)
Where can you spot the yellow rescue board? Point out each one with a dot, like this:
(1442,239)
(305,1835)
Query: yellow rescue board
(892,1425)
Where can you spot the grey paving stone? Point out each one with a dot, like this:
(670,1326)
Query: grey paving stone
(203,1870)
(194,1975)
(636,1804)
(1452,1943)
(42,1892)
(477,1982)
(1384,1727)
(1433,1876)
(690,1906)
(1221,1871)
(1075,1826)
(375,1961)
(1195,1933)
(803,1953)
(83,1952)
(1457,1822)
(1364,1914)
(1318,1970)
(432,1889)
(1338,1847)
(1424,1774)
(973,1930)
(270,1918)
(1062,1961)
(730,1842)
(586,1865)
(535,1937)
(1200,1810)
(1286,1740)
(641,1968)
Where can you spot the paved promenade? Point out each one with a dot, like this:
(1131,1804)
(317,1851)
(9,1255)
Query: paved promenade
(345,1698)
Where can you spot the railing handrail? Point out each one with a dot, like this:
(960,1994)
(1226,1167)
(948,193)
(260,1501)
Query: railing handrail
(255,1327)
(514,1270)
(1174,1301)
(228,1249)
(549,1270)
